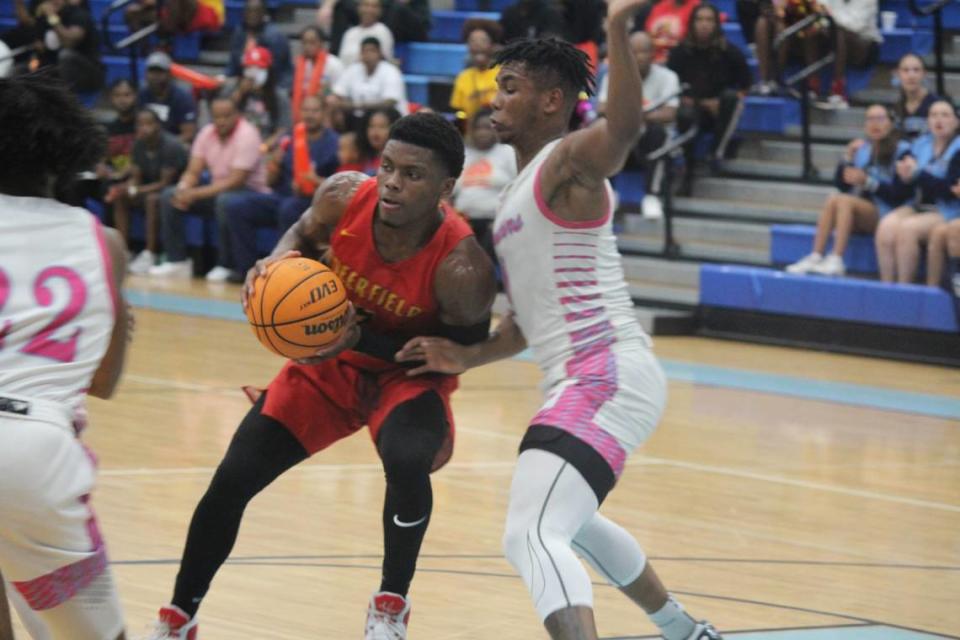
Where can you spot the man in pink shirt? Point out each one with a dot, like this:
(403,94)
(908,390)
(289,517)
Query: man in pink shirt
(228,149)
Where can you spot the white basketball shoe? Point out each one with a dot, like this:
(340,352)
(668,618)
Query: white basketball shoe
(387,617)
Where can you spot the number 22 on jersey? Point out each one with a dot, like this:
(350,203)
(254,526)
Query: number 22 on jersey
(42,344)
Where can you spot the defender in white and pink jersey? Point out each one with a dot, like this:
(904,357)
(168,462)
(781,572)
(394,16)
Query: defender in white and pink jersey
(63,328)
(605,391)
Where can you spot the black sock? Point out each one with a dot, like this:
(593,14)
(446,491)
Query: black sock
(408,443)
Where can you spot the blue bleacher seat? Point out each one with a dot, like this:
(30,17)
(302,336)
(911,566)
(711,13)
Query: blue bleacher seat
(118,66)
(790,242)
(186,47)
(7,22)
(233,14)
(848,299)
(734,35)
(898,42)
(448,25)
(434,59)
(483,5)
(418,88)
(906,19)
(629,186)
(769,115)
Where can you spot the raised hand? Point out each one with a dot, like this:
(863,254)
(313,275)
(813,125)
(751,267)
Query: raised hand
(258,271)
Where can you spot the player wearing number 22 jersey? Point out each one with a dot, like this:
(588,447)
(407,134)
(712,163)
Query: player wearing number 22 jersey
(62,336)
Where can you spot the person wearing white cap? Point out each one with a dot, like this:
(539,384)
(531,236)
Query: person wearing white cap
(174,106)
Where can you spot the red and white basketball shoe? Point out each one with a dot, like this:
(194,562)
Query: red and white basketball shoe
(387,617)
(173,624)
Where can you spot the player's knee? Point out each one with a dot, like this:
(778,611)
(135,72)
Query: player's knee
(514,543)
(406,466)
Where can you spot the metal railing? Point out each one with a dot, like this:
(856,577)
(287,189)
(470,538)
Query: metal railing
(934,9)
(127,42)
(809,171)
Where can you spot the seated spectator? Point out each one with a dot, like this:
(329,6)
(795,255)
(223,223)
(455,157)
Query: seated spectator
(913,103)
(229,150)
(309,157)
(667,24)
(867,191)
(943,257)
(370,84)
(23,34)
(349,157)
(771,19)
(66,37)
(176,16)
(856,43)
(532,19)
(256,31)
(121,131)
(476,86)
(718,76)
(374,132)
(315,71)
(369,27)
(932,165)
(661,89)
(174,106)
(408,20)
(488,167)
(262,103)
(335,17)
(157,161)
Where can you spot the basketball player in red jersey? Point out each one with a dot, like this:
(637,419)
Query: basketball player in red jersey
(411,266)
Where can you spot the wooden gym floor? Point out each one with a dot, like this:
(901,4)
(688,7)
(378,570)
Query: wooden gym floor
(787,495)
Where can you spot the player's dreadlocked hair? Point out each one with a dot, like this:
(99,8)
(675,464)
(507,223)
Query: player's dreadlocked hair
(434,132)
(44,132)
(554,62)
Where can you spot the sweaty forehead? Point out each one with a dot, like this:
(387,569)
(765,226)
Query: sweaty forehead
(404,154)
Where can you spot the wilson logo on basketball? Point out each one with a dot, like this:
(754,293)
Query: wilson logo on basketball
(319,293)
(324,327)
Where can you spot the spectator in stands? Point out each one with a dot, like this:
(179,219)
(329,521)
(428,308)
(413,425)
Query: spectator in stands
(856,43)
(121,131)
(771,19)
(661,100)
(369,27)
(718,76)
(316,70)
(256,31)
(913,103)
(308,158)
(943,257)
(408,20)
(349,157)
(476,86)
(264,105)
(228,149)
(867,191)
(933,166)
(174,106)
(176,16)
(532,19)
(583,22)
(489,166)
(368,84)
(157,161)
(66,37)
(374,132)
(668,24)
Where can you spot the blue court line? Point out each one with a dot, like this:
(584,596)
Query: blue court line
(936,406)
(835,633)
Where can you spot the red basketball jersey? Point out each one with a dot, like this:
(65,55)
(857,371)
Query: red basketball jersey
(398,298)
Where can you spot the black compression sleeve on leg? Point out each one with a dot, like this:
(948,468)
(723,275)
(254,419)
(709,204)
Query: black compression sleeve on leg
(385,347)
(408,443)
(260,451)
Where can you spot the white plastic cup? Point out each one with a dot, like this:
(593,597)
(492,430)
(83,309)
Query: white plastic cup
(888,20)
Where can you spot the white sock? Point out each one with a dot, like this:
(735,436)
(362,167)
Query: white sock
(673,621)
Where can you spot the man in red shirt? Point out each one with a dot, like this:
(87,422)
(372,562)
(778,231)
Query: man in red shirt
(667,25)
(411,266)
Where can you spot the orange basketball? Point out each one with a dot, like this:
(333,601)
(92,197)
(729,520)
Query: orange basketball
(298,307)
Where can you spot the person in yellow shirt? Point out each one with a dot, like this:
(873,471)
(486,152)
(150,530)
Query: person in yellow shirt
(476,85)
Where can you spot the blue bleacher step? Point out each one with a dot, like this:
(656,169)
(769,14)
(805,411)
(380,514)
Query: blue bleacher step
(901,41)
(434,58)
(829,133)
(448,25)
(418,88)
(801,196)
(483,5)
(793,170)
(906,19)
(843,299)
(118,66)
(746,211)
(790,243)
(699,239)
(769,115)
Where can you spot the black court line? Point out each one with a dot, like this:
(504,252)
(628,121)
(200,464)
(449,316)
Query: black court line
(482,556)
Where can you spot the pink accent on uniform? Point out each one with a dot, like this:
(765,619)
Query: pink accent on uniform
(576,283)
(58,586)
(580,298)
(93,530)
(4,294)
(568,224)
(574,270)
(575,257)
(574,244)
(107,263)
(575,316)
(42,344)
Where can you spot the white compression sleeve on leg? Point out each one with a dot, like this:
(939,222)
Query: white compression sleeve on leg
(610,550)
(549,503)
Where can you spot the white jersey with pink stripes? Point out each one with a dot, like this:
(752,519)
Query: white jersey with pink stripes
(567,290)
(57,300)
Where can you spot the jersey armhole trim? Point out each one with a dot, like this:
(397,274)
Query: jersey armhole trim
(552,216)
(107,263)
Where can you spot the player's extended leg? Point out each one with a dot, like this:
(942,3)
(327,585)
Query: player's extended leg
(408,442)
(260,451)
